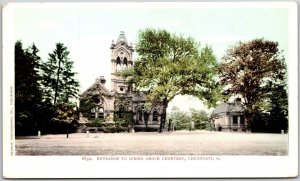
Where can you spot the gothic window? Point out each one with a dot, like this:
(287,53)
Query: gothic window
(125,61)
(154,116)
(101,112)
(234,121)
(118,63)
(93,113)
(118,60)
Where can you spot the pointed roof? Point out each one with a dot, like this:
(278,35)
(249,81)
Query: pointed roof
(122,38)
(96,88)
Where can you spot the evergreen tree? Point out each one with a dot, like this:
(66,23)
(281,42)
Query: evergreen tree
(28,96)
(60,89)
(278,118)
(58,77)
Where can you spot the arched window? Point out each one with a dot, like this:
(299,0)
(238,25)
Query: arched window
(101,112)
(125,61)
(155,116)
(118,66)
(93,113)
(118,60)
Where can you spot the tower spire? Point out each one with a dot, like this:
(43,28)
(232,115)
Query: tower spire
(122,38)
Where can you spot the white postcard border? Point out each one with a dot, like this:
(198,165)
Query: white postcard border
(77,167)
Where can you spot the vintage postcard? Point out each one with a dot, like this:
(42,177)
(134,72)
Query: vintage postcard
(150,90)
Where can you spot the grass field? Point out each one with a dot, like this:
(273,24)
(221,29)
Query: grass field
(168,143)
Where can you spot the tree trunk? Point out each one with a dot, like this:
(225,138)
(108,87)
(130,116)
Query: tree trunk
(164,113)
(169,126)
(56,85)
(249,117)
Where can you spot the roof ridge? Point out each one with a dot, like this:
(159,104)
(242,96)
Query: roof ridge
(94,85)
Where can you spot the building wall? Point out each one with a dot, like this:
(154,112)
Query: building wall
(226,122)
(222,121)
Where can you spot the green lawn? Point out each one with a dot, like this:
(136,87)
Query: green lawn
(168,143)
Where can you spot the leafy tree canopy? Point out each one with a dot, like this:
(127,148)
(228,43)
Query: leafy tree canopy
(169,65)
(248,68)
(254,70)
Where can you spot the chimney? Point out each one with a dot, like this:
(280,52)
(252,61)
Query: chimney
(102,80)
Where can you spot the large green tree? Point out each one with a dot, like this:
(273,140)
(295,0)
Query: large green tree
(28,95)
(59,83)
(253,70)
(38,85)
(169,65)
(60,90)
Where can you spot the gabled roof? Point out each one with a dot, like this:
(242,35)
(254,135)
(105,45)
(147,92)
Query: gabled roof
(96,88)
(221,108)
(227,107)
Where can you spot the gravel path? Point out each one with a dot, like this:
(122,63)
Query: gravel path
(169,143)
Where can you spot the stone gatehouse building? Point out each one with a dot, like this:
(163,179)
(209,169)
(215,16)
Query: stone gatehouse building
(229,116)
(121,102)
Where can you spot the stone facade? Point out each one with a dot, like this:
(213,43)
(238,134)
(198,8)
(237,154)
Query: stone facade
(97,102)
(229,117)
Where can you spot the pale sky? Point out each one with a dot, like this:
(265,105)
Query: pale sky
(88,30)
